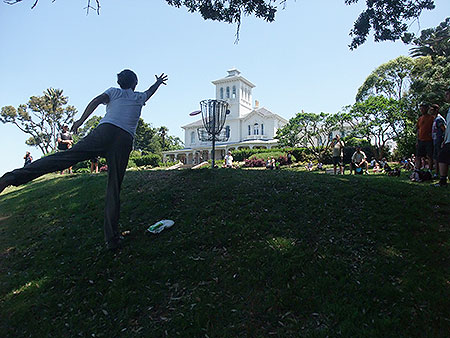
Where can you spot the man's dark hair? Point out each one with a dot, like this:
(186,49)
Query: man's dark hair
(127,79)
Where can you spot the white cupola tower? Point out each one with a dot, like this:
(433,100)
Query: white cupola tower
(237,91)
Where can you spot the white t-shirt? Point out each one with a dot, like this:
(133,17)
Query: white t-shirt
(358,157)
(124,108)
(228,160)
(447,131)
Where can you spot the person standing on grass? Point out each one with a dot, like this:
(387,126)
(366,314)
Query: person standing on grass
(112,138)
(438,132)
(424,144)
(64,142)
(338,154)
(28,159)
(229,160)
(444,156)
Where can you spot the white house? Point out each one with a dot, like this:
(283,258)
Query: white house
(248,126)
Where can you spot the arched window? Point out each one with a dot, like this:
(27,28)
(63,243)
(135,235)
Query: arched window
(192,137)
(249,130)
(262,129)
(234,92)
(256,129)
(221,93)
(228,92)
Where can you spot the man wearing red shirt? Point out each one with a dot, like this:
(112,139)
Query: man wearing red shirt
(424,145)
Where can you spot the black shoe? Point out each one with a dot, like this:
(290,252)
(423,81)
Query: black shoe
(115,245)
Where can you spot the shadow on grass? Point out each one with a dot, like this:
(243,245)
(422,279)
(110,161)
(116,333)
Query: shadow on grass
(252,253)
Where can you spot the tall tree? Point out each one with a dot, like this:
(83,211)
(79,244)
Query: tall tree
(387,19)
(162,133)
(41,118)
(391,79)
(380,120)
(310,130)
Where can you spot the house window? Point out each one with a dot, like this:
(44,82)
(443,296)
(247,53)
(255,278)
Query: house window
(227,131)
(249,130)
(234,92)
(228,92)
(221,93)
(256,129)
(262,129)
(192,137)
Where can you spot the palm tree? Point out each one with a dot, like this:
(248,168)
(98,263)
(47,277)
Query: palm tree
(162,133)
(433,42)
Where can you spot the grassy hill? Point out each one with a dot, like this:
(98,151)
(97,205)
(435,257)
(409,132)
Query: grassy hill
(253,253)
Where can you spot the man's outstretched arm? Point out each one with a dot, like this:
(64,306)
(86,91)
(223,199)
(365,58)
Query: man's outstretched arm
(162,79)
(101,99)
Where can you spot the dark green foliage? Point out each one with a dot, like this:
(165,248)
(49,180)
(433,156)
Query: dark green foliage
(154,140)
(432,42)
(300,154)
(145,160)
(387,19)
(242,154)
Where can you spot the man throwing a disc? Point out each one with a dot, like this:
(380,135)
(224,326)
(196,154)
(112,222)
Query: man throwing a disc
(112,139)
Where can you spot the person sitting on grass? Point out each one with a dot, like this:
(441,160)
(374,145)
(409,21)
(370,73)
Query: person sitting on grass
(112,138)
(386,167)
(359,162)
(376,167)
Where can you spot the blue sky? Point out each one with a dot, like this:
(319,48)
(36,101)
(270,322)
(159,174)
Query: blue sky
(299,62)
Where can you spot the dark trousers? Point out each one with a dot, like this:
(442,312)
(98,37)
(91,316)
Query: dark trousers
(107,141)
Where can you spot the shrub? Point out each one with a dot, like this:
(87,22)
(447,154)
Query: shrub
(254,162)
(82,170)
(242,154)
(167,164)
(131,164)
(150,159)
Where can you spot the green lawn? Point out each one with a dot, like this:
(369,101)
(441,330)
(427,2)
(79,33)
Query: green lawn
(253,253)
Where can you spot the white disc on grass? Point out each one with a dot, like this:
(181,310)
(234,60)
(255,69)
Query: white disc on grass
(160,226)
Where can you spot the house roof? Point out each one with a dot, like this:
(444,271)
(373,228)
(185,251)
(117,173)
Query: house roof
(259,111)
(264,113)
(234,74)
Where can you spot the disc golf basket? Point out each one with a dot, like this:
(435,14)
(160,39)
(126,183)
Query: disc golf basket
(214,114)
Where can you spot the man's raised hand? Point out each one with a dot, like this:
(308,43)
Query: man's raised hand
(162,79)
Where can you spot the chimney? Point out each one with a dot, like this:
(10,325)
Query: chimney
(256,104)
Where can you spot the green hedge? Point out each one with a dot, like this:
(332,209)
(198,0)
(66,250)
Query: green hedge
(300,154)
(145,160)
